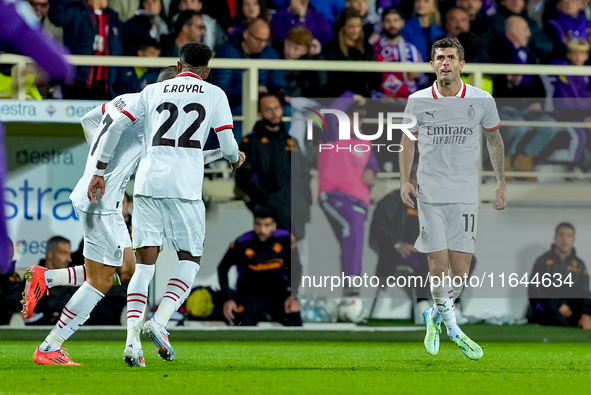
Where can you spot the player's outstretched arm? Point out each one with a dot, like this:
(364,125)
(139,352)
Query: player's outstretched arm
(496,150)
(406,157)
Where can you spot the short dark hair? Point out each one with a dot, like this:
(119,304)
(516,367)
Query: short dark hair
(564,225)
(264,95)
(146,42)
(166,73)
(392,11)
(54,242)
(264,212)
(184,18)
(196,54)
(447,43)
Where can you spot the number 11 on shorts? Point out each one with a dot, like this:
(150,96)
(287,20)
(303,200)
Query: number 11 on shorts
(467,219)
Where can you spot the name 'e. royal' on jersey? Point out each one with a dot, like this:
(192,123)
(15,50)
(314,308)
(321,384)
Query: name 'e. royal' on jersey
(178,114)
(119,170)
(448,133)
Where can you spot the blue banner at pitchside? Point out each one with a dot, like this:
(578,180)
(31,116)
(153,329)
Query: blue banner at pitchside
(42,172)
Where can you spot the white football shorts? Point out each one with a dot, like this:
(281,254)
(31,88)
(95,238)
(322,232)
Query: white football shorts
(447,226)
(105,237)
(181,222)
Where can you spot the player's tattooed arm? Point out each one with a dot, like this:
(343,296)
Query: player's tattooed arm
(496,150)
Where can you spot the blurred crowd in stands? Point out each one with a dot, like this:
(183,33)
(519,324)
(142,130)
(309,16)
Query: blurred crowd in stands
(555,32)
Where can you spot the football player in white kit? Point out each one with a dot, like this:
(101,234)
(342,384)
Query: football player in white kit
(107,246)
(449,116)
(179,115)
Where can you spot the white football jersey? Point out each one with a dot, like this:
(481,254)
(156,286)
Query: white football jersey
(120,168)
(179,114)
(448,133)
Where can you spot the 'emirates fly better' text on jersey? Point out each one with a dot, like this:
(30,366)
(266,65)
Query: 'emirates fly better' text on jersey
(179,114)
(448,132)
(119,170)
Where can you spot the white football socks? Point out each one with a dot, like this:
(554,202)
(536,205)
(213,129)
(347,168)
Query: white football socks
(443,297)
(137,293)
(177,290)
(73,276)
(75,313)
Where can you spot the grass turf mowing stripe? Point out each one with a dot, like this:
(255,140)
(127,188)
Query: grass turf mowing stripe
(296,367)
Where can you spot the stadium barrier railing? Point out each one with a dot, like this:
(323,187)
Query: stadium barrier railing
(529,192)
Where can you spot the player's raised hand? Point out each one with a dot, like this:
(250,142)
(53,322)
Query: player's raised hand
(229,308)
(241,159)
(501,199)
(407,189)
(96,183)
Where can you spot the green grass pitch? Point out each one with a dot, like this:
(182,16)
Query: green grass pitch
(259,362)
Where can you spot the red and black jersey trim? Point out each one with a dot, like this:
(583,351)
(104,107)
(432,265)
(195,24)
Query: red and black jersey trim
(434,92)
(219,129)
(189,74)
(493,128)
(129,116)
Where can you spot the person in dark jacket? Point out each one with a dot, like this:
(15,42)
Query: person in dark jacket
(267,178)
(134,79)
(11,288)
(349,44)
(302,83)
(566,305)
(90,28)
(253,43)
(264,261)
(539,44)
(58,255)
(527,95)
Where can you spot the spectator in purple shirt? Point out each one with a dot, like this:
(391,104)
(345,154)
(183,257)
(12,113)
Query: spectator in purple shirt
(570,23)
(299,14)
(572,95)
(21,31)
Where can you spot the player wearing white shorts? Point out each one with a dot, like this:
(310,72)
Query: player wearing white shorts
(449,116)
(168,206)
(106,239)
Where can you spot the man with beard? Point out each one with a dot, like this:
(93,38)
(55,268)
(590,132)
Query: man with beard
(391,47)
(267,178)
